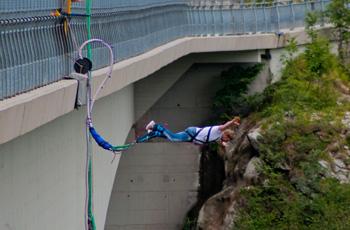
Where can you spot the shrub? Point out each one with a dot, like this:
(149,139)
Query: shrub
(302,117)
(231,99)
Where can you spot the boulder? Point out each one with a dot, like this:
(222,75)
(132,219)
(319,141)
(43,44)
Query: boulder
(253,137)
(339,165)
(251,173)
(218,212)
(324,164)
(346,120)
(342,87)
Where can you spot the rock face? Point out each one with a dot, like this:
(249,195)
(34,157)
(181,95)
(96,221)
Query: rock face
(253,138)
(241,167)
(346,120)
(338,164)
(241,162)
(251,173)
(217,213)
(336,168)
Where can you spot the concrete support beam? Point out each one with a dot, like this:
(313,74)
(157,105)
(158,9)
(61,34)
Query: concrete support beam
(25,112)
(250,56)
(136,68)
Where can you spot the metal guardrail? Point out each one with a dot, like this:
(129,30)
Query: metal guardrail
(36,51)
(32,8)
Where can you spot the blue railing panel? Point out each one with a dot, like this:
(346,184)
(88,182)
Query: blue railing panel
(32,7)
(227,18)
(261,19)
(249,20)
(268,24)
(286,16)
(238,21)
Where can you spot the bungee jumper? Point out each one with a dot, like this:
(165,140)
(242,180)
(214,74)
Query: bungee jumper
(221,133)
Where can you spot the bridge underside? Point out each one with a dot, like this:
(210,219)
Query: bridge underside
(156,183)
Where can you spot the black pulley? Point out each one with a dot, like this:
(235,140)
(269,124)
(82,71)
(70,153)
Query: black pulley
(82,65)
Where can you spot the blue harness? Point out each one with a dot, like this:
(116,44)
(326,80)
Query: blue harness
(194,136)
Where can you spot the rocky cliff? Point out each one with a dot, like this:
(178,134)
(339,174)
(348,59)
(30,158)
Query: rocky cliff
(289,165)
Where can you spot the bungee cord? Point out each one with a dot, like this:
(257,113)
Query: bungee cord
(87,63)
(82,66)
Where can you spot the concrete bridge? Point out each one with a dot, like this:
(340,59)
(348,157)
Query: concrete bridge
(42,138)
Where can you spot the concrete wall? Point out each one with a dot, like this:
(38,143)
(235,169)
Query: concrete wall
(42,173)
(156,185)
(150,89)
(189,101)
(262,80)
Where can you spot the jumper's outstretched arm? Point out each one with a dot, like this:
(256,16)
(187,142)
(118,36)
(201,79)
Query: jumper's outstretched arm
(236,121)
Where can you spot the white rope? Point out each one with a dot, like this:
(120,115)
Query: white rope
(90,104)
(91,100)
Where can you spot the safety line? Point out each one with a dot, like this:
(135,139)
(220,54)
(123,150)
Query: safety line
(91,219)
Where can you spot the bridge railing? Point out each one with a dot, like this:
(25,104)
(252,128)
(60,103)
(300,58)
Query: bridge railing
(36,8)
(36,49)
(223,17)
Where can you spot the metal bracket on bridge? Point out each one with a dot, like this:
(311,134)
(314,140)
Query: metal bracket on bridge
(82,87)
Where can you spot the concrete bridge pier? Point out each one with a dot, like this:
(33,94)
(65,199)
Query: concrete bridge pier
(42,173)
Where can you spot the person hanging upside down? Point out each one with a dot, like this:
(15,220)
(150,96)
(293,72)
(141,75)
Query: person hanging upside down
(196,135)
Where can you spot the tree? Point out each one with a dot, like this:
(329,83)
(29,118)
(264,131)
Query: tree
(339,14)
(292,47)
(317,52)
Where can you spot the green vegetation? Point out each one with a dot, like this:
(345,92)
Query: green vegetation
(189,224)
(302,118)
(231,99)
(339,14)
